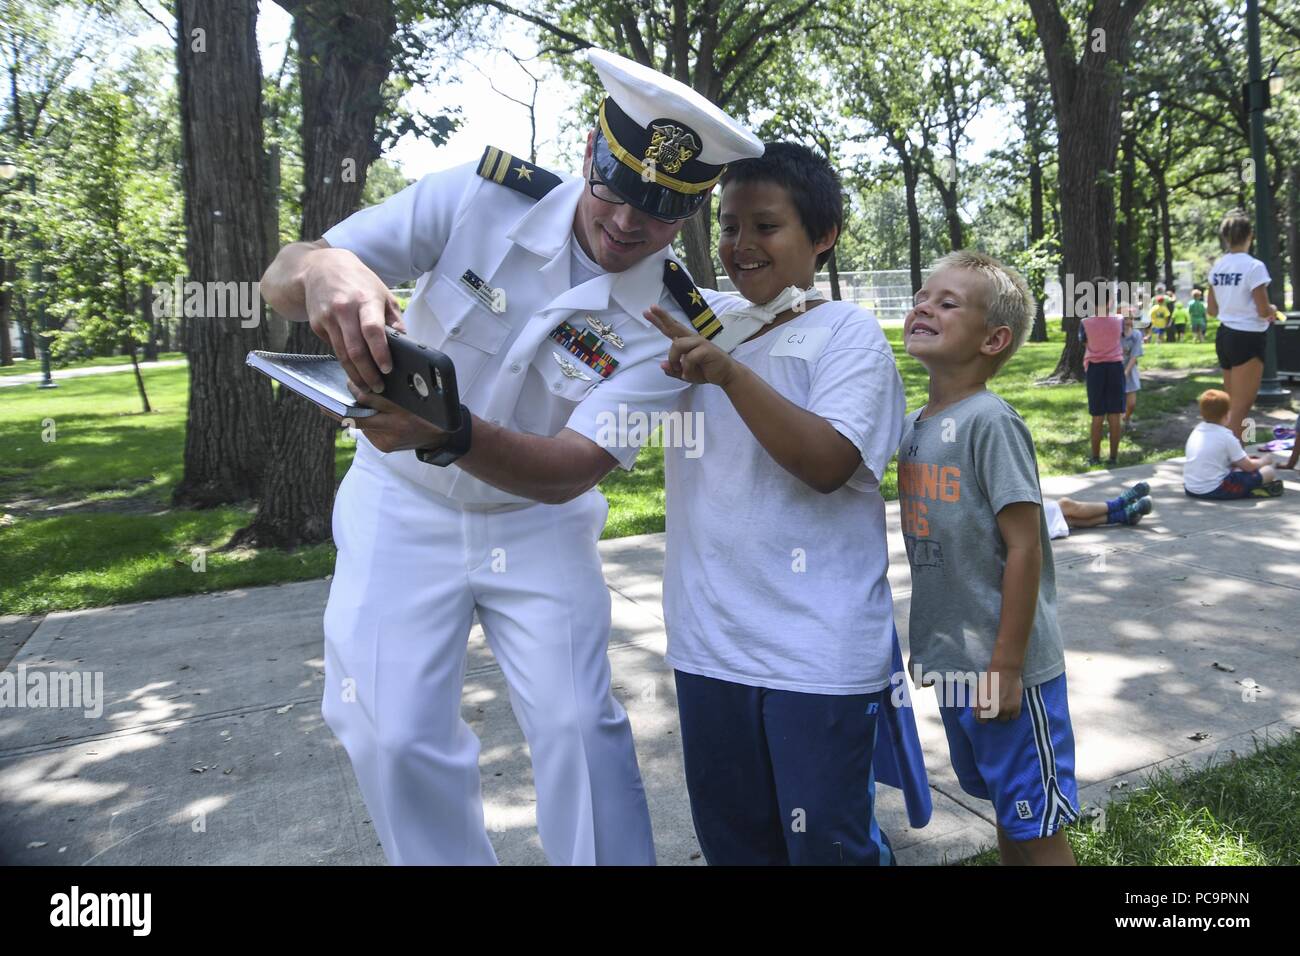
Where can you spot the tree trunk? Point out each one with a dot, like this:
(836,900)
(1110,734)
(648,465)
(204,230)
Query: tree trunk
(29,336)
(698,245)
(956,232)
(1152,251)
(1037,278)
(129,345)
(220,91)
(1166,237)
(1086,94)
(832,267)
(910,177)
(344,56)
(146,312)
(1126,243)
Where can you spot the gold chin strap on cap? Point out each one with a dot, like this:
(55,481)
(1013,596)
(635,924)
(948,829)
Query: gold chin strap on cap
(650,173)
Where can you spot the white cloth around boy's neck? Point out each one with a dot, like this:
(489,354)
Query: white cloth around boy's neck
(740,324)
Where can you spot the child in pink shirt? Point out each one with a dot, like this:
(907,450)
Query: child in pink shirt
(1103,365)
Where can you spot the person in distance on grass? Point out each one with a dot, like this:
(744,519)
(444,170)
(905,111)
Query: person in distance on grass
(1103,366)
(1132,347)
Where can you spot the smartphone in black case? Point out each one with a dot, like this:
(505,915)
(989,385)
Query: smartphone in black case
(423,381)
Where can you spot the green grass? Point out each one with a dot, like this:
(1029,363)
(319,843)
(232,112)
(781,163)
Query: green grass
(30,366)
(105,451)
(1243,812)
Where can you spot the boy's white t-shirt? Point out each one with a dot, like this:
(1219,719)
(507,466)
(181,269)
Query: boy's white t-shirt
(1234,277)
(1211,450)
(767,582)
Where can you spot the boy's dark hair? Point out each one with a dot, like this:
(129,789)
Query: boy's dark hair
(813,186)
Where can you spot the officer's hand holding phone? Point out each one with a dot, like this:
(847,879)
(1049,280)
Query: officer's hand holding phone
(393,428)
(349,306)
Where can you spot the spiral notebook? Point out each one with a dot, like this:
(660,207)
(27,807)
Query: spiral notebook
(317,378)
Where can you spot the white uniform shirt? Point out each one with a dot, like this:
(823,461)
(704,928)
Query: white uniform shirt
(1211,450)
(506,364)
(1234,277)
(767,582)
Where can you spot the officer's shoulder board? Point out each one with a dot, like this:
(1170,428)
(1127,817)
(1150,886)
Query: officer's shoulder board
(520,175)
(682,288)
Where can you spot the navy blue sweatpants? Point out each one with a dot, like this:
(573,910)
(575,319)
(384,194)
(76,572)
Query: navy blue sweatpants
(779,778)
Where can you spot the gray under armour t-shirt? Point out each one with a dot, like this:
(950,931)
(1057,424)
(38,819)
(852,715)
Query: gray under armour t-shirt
(956,471)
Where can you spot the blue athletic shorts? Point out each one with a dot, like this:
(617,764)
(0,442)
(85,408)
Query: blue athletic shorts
(1025,766)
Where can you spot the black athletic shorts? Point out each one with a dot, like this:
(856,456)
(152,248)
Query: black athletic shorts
(1105,385)
(1235,347)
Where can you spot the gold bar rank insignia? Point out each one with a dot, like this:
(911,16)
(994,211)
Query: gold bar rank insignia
(690,301)
(587,346)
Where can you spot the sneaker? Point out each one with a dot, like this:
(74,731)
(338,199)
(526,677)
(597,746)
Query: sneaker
(1140,490)
(1093,461)
(1134,510)
(1270,489)
(1112,462)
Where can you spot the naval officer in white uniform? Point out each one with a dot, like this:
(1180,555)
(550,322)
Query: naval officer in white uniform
(534,285)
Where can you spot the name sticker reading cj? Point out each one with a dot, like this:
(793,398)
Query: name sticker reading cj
(804,343)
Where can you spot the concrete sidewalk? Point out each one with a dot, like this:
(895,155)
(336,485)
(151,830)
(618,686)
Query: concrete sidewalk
(58,375)
(211,748)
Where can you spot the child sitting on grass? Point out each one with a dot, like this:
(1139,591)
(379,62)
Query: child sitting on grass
(776,601)
(983,582)
(1217,467)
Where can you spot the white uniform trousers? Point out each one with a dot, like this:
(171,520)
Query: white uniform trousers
(412,568)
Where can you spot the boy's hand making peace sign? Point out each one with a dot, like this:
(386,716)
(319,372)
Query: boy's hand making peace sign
(691,358)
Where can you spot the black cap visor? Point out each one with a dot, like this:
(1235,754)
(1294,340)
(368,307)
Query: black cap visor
(649,197)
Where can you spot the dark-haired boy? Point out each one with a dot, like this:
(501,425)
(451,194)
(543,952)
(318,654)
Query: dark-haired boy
(776,603)
(983,608)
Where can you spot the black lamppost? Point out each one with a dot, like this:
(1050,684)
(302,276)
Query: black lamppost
(1256,96)
(8,170)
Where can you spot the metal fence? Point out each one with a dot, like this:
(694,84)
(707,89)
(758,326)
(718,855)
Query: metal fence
(888,292)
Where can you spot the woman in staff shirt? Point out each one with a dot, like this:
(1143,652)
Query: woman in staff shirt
(1239,297)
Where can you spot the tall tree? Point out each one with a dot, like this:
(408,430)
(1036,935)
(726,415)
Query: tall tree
(882,90)
(1012,55)
(726,50)
(220,81)
(41,47)
(807,112)
(111,224)
(345,50)
(1085,70)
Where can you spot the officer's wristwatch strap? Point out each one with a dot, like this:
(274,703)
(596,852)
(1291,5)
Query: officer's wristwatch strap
(456,444)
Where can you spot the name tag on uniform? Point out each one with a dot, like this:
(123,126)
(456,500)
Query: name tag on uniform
(494,299)
(801,343)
